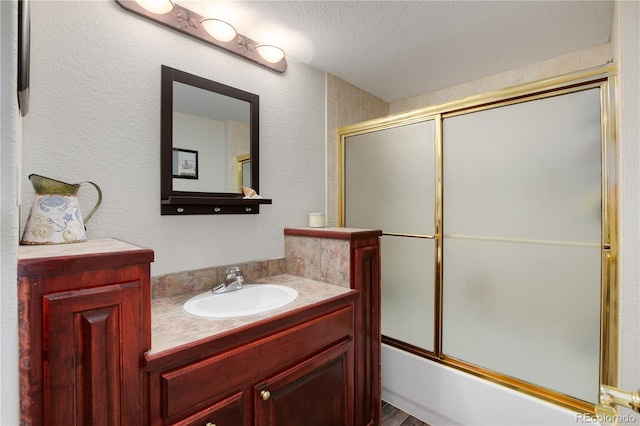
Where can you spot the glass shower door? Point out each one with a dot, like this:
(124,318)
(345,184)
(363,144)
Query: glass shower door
(390,184)
(522,241)
(500,235)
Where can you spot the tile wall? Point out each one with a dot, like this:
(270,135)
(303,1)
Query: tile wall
(207,278)
(320,259)
(346,104)
(565,64)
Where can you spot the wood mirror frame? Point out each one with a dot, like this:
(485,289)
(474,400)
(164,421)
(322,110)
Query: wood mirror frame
(180,202)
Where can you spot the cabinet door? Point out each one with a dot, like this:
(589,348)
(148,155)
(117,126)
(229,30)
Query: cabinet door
(316,392)
(91,356)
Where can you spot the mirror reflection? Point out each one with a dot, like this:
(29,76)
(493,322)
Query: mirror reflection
(211,141)
(209,146)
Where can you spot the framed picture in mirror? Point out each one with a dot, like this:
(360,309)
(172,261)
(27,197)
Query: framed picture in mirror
(185,163)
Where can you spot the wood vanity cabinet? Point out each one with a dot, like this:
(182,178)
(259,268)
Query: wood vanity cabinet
(364,275)
(294,369)
(84,326)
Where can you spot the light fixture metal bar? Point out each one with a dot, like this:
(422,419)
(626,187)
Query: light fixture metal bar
(187,22)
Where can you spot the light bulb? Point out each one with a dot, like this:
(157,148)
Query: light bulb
(156,6)
(270,53)
(220,30)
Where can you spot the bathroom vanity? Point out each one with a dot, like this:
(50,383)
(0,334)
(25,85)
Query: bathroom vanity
(291,366)
(84,327)
(95,349)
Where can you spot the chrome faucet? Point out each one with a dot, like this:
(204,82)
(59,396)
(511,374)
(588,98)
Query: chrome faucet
(234,281)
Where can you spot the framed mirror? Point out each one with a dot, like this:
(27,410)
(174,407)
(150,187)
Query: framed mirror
(209,146)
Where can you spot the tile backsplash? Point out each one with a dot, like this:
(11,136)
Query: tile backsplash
(206,278)
(320,259)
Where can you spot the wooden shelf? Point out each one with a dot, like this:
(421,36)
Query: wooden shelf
(179,205)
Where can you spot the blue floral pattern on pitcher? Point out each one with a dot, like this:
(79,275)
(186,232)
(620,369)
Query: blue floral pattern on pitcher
(53,203)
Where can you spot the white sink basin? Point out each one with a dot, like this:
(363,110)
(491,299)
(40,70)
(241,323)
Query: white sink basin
(251,299)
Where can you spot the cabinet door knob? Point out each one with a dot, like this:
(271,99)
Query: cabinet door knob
(265,394)
(210,424)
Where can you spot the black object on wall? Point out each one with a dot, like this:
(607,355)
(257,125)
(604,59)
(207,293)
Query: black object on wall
(24,44)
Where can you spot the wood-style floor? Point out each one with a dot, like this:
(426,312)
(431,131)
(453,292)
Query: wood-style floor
(391,416)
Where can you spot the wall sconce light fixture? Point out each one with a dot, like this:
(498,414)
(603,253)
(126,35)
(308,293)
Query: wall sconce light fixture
(209,30)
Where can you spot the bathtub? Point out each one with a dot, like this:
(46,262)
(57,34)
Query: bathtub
(441,395)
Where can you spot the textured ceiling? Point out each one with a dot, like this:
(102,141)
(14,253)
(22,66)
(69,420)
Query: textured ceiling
(399,49)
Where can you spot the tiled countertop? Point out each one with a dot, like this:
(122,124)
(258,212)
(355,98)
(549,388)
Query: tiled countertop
(171,327)
(97,246)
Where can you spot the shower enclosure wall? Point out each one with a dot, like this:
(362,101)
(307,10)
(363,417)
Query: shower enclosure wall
(499,232)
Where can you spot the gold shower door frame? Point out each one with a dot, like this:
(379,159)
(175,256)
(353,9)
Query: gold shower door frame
(604,78)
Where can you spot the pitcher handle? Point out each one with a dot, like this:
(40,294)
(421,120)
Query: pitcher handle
(87,217)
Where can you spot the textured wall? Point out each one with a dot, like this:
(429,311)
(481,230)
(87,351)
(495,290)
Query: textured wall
(626,38)
(95,115)
(10,135)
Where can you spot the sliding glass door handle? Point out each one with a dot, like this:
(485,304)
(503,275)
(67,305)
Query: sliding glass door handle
(610,397)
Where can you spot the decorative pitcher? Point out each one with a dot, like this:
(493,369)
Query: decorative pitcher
(55,216)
